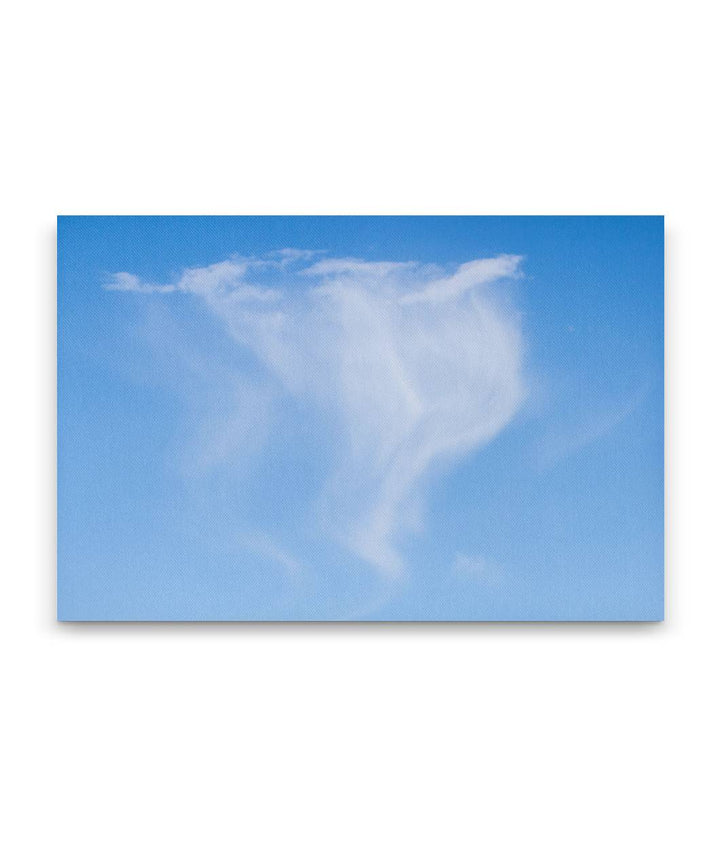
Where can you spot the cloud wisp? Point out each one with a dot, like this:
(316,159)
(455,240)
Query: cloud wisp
(409,364)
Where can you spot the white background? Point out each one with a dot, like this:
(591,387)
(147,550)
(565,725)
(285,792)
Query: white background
(359,739)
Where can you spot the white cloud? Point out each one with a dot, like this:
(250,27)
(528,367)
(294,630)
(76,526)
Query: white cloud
(410,365)
(589,425)
(227,276)
(474,567)
(130,282)
(288,255)
(357,268)
(466,277)
(263,546)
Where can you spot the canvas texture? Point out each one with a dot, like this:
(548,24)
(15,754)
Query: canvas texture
(360,418)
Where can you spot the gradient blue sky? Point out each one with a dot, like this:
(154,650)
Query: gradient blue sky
(195,482)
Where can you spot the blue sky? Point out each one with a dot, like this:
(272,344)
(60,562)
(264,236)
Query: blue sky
(405,418)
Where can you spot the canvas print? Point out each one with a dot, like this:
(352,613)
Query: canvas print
(360,419)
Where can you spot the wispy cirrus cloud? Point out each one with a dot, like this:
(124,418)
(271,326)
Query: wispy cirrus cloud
(409,364)
(472,567)
(588,425)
